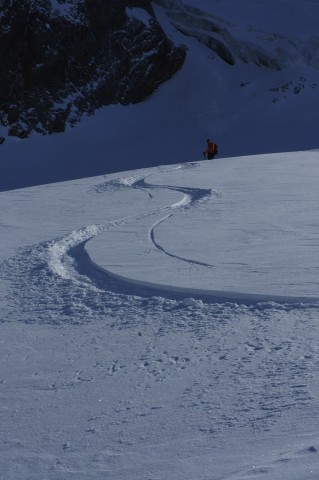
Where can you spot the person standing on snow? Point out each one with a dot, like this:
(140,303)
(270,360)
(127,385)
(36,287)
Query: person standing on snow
(211,150)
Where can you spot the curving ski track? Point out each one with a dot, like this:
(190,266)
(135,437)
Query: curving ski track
(55,282)
(191,196)
(57,279)
(162,249)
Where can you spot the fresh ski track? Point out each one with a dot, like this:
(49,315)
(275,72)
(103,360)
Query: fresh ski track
(162,249)
(39,272)
(56,283)
(190,197)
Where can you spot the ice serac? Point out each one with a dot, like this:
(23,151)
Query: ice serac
(62,58)
(216,34)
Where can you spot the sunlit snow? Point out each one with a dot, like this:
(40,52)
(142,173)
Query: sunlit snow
(159,312)
(162,323)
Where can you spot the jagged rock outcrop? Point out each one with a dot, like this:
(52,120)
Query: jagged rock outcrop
(62,58)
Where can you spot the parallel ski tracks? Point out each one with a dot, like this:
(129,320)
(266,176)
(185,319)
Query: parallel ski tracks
(259,345)
(61,249)
(190,197)
(57,279)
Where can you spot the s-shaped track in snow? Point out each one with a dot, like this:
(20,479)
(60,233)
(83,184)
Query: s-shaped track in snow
(202,348)
(55,281)
(190,197)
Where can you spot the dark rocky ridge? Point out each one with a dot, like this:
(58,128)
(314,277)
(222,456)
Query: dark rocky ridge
(62,58)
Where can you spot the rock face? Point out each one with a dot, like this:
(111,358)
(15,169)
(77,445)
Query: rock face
(62,58)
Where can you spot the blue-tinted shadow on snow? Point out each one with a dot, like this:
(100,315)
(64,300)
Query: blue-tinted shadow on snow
(105,279)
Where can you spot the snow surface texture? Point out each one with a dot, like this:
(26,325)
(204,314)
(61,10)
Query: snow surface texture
(245,108)
(102,377)
(233,253)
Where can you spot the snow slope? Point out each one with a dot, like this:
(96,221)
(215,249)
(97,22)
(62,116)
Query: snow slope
(102,377)
(247,109)
(233,250)
(162,323)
